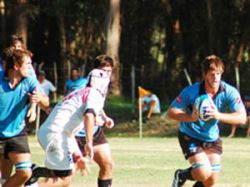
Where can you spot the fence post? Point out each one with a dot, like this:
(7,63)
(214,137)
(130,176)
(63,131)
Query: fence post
(133,88)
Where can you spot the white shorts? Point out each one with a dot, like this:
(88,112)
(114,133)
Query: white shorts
(58,150)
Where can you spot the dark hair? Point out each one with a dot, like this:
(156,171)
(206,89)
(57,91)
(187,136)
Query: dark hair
(213,62)
(75,69)
(42,73)
(15,38)
(103,60)
(15,56)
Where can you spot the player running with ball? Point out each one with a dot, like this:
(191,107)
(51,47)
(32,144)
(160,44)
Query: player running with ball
(199,140)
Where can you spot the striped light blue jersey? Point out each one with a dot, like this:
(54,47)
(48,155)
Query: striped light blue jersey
(227,97)
(14,104)
(82,132)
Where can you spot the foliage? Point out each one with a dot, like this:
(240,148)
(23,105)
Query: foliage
(159,38)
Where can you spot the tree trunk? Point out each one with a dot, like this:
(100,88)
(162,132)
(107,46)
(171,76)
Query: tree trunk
(22,21)
(113,43)
(3,28)
(210,27)
(63,70)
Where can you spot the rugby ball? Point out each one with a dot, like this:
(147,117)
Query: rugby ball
(202,104)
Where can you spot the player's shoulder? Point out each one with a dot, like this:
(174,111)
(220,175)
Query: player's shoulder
(228,88)
(191,89)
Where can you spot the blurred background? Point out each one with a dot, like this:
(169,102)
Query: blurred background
(156,44)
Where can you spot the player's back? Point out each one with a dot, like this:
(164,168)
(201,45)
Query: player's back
(67,115)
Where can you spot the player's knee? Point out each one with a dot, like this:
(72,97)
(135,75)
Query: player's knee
(211,181)
(215,173)
(107,167)
(201,171)
(24,174)
(23,170)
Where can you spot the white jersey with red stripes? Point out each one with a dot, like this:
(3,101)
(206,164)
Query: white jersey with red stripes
(67,116)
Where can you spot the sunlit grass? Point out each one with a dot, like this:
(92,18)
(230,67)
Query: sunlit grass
(151,162)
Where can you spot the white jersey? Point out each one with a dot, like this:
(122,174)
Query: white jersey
(67,116)
(148,99)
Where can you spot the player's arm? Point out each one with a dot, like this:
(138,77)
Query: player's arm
(238,117)
(80,161)
(180,105)
(152,105)
(180,115)
(108,122)
(31,114)
(89,122)
(40,98)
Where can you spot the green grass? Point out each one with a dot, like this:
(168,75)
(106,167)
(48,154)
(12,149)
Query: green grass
(119,108)
(151,162)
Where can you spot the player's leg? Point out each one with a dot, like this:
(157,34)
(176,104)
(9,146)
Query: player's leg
(58,161)
(17,150)
(248,126)
(5,164)
(103,157)
(233,130)
(60,179)
(194,153)
(213,151)
(215,160)
(23,172)
(6,167)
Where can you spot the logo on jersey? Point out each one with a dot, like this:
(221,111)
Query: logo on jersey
(237,100)
(178,99)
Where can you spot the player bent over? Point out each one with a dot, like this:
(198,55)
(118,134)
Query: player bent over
(56,135)
(199,140)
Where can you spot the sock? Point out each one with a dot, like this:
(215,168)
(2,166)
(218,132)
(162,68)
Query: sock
(186,174)
(198,184)
(104,183)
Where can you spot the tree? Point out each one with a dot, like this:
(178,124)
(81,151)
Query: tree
(113,43)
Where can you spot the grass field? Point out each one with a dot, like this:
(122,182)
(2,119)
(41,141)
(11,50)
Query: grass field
(151,162)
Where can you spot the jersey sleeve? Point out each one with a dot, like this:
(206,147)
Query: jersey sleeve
(33,84)
(51,87)
(182,100)
(234,100)
(94,102)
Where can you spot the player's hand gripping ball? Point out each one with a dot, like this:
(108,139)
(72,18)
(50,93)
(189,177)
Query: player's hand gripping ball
(202,105)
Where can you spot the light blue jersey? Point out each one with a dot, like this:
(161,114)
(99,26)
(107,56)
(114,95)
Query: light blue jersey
(72,85)
(208,131)
(14,104)
(82,133)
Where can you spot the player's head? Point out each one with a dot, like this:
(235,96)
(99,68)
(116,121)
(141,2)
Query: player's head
(213,62)
(99,79)
(75,73)
(16,41)
(213,67)
(19,60)
(103,60)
